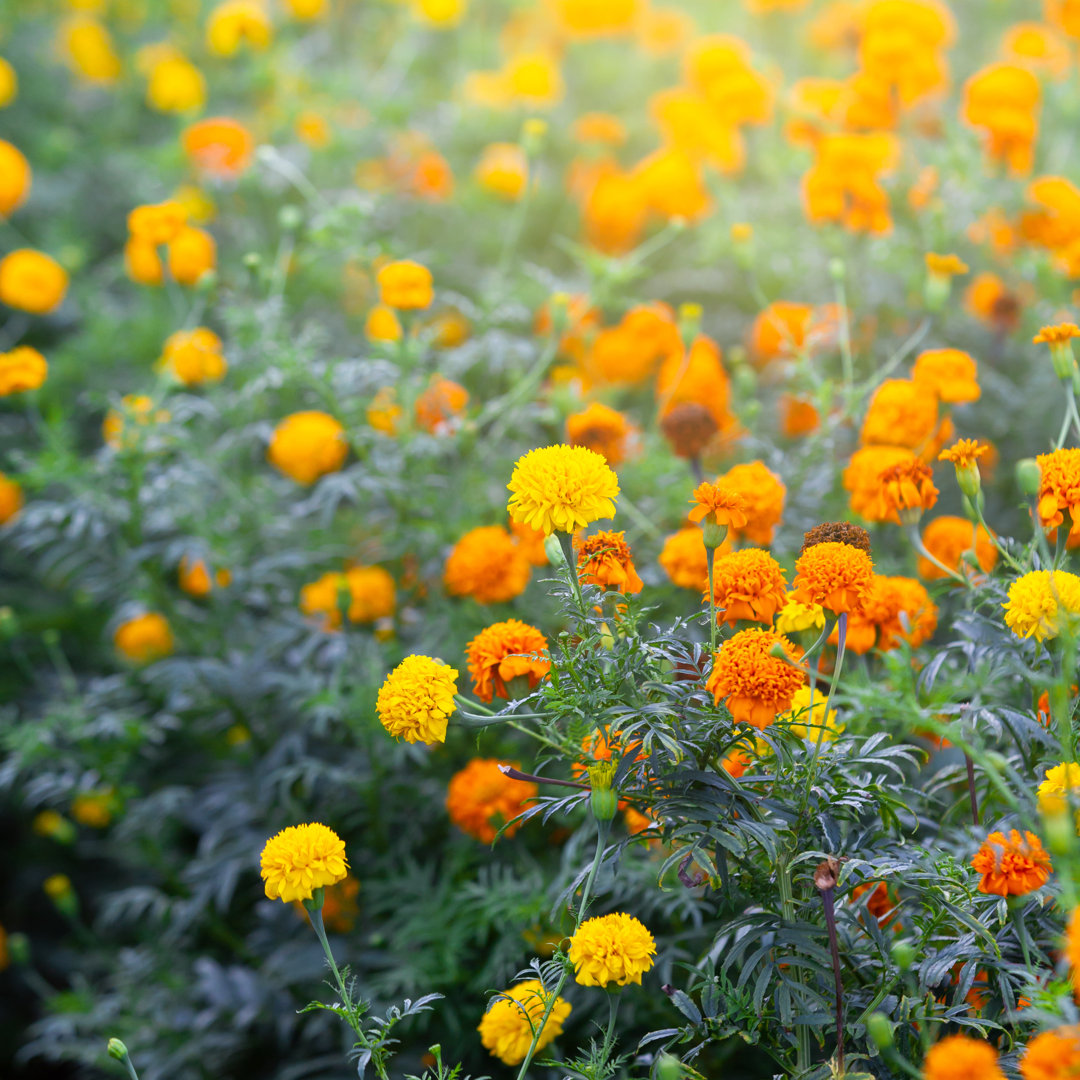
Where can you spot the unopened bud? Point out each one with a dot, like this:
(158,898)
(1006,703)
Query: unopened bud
(880,1030)
(553,550)
(668,1067)
(117,1049)
(1064,359)
(903,954)
(714,535)
(1028,476)
(604,800)
(290,218)
(837,270)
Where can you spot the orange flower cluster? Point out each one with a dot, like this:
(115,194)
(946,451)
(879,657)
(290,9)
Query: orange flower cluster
(1053,1055)
(604,559)
(949,374)
(1002,101)
(503,652)
(189,251)
(488,565)
(748,584)
(440,407)
(894,610)
(481,798)
(627,354)
(763,494)
(1012,865)
(755,685)
(1055,223)
(844,183)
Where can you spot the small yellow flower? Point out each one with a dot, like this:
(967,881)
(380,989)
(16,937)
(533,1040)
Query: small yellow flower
(1039,603)
(795,617)
(416,699)
(24,368)
(300,859)
(1061,784)
(506,1029)
(612,948)
(562,489)
(306,445)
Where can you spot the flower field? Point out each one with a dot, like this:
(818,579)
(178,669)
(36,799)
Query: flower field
(538,539)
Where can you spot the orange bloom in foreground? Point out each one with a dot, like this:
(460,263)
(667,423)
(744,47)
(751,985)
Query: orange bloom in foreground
(1053,1055)
(947,538)
(219,146)
(748,584)
(834,575)
(755,685)
(717,504)
(1059,489)
(487,565)
(602,429)
(906,490)
(604,559)
(1012,865)
(481,798)
(503,652)
(957,1057)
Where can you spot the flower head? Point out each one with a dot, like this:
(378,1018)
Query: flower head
(145,638)
(863,473)
(612,948)
(481,798)
(835,575)
(951,374)
(32,281)
(958,1057)
(488,565)
(1059,489)
(1041,603)
(602,429)
(945,265)
(1053,1055)
(194,356)
(901,413)
(906,490)
(439,408)
(964,453)
(838,532)
(300,859)
(24,368)
(507,1027)
(1056,335)
(795,617)
(405,285)
(748,584)
(948,538)
(416,699)
(685,559)
(366,593)
(15,178)
(219,146)
(562,489)
(306,445)
(604,559)
(718,506)
(503,652)
(1012,865)
(754,683)
(763,493)
(1062,784)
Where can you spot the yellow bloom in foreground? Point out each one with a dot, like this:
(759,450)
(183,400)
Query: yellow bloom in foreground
(562,489)
(416,699)
(507,1027)
(1040,601)
(612,948)
(301,859)
(1062,783)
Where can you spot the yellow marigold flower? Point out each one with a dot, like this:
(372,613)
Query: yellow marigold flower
(1062,783)
(958,1057)
(9,83)
(533,79)
(88,49)
(810,716)
(1041,603)
(945,265)
(503,169)
(833,574)
(481,798)
(951,374)
(417,698)
(1059,489)
(175,85)
(145,638)
(11,499)
(219,146)
(440,14)
(602,429)
(384,412)
(57,886)
(747,584)
(562,489)
(1012,865)
(382,324)
(906,490)
(609,949)
(194,356)
(503,652)
(405,285)
(1053,1055)
(235,23)
(300,859)
(313,130)
(507,1027)
(1056,335)
(964,453)
(307,445)
(50,823)
(194,577)
(157,223)
(685,559)
(94,809)
(604,559)
(366,592)
(947,538)
(15,178)
(306,9)
(487,565)
(191,253)
(795,617)
(24,368)
(763,493)
(31,281)
(121,427)
(754,684)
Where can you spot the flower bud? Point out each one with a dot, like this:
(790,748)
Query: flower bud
(690,321)
(903,954)
(117,1049)
(1028,476)
(604,800)
(553,550)
(290,218)
(1063,359)
(315,901)
(714,535)
(880,1030)
(837,270)
(668,1067)
(936,291)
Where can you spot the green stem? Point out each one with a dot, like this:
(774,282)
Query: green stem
(993,537)
(811,772)
(846,357)
(614,997)
(130,1067)
(566,542)
(712,604)
(920,547)
(787,907)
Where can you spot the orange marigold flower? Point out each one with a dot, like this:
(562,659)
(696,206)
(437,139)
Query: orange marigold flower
(798,416)
(880,904)
(748,584)
(1003,101)
(604,559)
(991,301)
(1059,489)
(951,374)
(365,592)
(219,146)
(835,575)
(958,1057)
(1053,1055)
(439,407)
(602,429)
(718,504)
(763,492)
(405,285)
(503,652)
(755,685)
(901,610)
(481,798)
(487,565)
(685,559)
(1012,865)
(901,413)
(1056,335)
(862,477)
(948,538)
(945,265)
(696,375)
(964,453)
(906,490)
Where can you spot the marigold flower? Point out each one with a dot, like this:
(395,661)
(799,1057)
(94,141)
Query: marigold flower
(235,23)
(481,798)
(599,127)
(157,223)
(747,584)
(958,1057)
(835,575)
(194,577)
(844,183)
(763,493)
(1053,1055)
(1060,334)
(562,489)
(405,285)
(11,499)
(1060,786)
(24,368)
(901,413)
(307,445)
(779,330)
(810,716)
(602,429)
(672,185)
(507,1027)
(894,609)
(945,265)
(604,559)
(503,169)
(880,904)
(32,281)
(906,490)
(991,301)
(440,407)
(1039,47)
(754,684)
(947,538)
(9,83)
(1042,603)
(121,427)
(191,253)
(219,146)
(614,948)
(175,85)
(1003,101)
(951,374)
(382,324)
(718,504)
(88,49)
(1012,865)
(503,652)
(614,211)
(94,809)
(145,638)
(301,859)
(862,477)
(531,541)
(696,376)
(366,592)
(1059,489)
(534,79)
(15,178)
(194,356)
(839,532)
(794,618)
(487,565)
(417,698)
(685,559)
